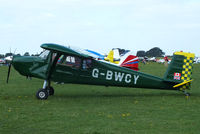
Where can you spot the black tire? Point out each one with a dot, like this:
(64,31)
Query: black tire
(42,94)
(50,90)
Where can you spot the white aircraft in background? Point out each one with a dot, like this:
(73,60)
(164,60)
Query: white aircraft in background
(197,60)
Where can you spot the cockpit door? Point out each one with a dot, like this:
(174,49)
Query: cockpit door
(67,69)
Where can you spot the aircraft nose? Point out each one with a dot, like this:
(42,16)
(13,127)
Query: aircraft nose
(22,64)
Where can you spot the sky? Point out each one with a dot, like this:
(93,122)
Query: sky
(100,25)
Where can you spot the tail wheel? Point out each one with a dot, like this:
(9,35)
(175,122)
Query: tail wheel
(42,94)
(50,90)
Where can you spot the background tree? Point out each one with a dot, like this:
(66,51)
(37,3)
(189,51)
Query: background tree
(155,52)
(26,54)
(8,54)
(141,53)
(1,56)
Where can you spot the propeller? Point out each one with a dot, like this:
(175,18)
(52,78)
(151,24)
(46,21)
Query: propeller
(10,60)
(9,67)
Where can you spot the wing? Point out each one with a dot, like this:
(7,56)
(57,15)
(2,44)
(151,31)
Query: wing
(63,49)
(94,54)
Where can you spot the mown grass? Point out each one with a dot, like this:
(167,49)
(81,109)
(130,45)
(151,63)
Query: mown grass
(83,109)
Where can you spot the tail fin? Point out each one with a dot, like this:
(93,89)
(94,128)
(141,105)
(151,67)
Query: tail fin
(129,61)
(180,70)
(111,57)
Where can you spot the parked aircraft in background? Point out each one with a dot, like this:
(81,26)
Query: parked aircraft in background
(197,60)
(2,61)
(125,59)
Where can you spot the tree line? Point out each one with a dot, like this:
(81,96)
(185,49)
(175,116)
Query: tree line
(11,54)
(154,52)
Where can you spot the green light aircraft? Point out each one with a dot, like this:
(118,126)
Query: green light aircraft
(64,65)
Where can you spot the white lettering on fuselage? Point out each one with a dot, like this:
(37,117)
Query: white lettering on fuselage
(95,73)
(109,75)
(136,78)
(118,76)
(128,78)
(102,73)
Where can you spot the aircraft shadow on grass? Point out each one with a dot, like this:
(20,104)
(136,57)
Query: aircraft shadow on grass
(115,95)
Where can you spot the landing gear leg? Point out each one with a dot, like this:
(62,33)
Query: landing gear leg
(44,92)
(45,84)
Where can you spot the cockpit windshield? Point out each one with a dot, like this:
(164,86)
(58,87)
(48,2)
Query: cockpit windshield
(44,54)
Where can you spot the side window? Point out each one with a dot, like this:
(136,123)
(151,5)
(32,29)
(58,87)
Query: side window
(44,54)
(87,63)
(70,61)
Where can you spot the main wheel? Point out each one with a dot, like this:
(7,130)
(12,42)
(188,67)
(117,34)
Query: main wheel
(50,90)
(42,94)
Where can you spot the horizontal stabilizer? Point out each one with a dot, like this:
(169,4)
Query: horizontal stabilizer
(181,84)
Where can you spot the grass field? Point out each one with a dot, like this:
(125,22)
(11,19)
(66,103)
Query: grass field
(83,109)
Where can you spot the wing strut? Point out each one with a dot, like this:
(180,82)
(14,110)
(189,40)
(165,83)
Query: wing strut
(47,90)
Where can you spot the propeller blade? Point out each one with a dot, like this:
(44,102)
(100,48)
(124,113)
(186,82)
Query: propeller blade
(8,72)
